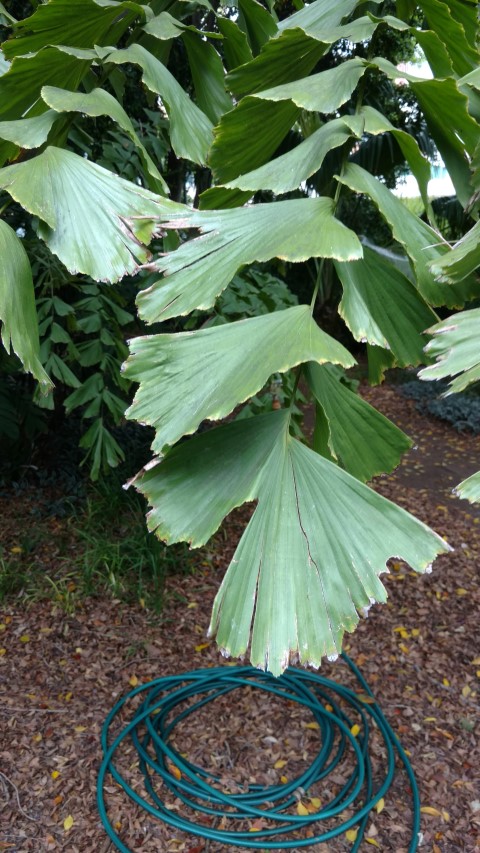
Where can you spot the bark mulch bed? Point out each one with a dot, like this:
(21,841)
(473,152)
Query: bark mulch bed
(60,673)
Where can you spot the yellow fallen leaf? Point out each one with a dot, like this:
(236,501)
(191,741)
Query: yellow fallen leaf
(374,842)
(365,698)
(446,682)
(311,726)
(55,774)
(16,550)
(133,681)
(80,729)
(466,691)
(404,648)
(329,707)
(415,632)
(201,647)
(445,815)
(68,823)
(175,771)
(316,803)
(192,605)
(380,805)
(279,764)
(444,732)
(355,730)
(431,811)
(25,638)
(68,696)
(461,591)
(301,809)
(3,652)
(476,661)
(478,673)
(3,627)
(283,779)
(37,738)
(430,720)
(351,834)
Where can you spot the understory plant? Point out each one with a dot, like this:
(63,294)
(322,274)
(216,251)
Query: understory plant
(272,139)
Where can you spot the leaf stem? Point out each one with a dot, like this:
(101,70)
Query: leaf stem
(295,386)
(317,284)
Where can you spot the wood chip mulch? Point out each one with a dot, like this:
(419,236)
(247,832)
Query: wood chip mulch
(60,674)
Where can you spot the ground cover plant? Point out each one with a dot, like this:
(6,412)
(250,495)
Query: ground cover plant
(270,114)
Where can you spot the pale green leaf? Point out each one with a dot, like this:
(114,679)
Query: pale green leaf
(361,439)
(455,346)
(208,76)
(463,260)
(319,17)
(185,506)
(20,86)
(309,560)
(382,307)
(164,27)
(469,489)
(28,132)
(4,64)
(219,197)
(324,92)
(19,325)
(466,13)
(471,79)
(303,38)
(191,132)
(287,57)
(256,22)
(435,52)
(286,173)
(5,17)
(420,241)
(379,361)
(96,222)
(452,127)
(200,269)
(376,123)
(439,18)
(79,23)
(235,46)
(211,370)
(247,136)
(98,102)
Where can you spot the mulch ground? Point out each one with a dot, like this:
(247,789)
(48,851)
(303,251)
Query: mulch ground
(60,673)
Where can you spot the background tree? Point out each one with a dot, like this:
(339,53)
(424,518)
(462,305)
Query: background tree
(267,119)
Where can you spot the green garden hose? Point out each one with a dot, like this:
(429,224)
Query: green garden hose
(345,723)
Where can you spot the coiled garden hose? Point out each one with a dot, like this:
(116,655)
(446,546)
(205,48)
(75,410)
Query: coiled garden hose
(345,722)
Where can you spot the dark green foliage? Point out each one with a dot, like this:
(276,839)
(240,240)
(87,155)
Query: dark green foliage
(462,410)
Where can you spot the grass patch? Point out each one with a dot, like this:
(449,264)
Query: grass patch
(119,555)
(102,547)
